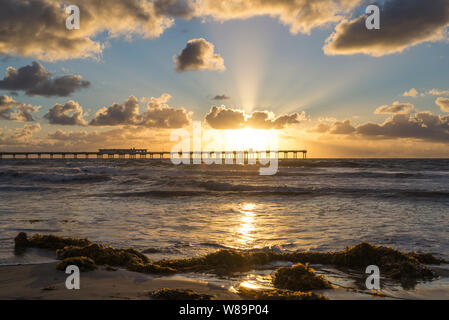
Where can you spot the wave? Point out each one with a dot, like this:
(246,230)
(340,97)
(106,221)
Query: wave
(26,189)
(156,194)
(212,188)
(54,177)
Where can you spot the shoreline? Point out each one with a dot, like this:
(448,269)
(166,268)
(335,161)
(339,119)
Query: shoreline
(45,282)
(129,274)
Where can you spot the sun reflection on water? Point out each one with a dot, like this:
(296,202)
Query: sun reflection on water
(245,231)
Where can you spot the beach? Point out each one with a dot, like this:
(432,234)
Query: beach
(126,274)
(43,281)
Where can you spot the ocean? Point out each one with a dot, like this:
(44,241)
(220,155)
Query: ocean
(182,211)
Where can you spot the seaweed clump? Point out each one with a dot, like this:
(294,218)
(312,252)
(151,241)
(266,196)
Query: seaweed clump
(179,294)
(222,262)
(392,263)
(299,277)
(129,258)
(88,255)
(47,241)
(426,258)
(103,255)
(276,294)
(83,263)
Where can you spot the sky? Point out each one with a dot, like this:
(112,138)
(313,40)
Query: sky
(309,72)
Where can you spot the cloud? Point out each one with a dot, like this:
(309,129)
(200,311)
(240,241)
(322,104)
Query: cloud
(395,108)
(411,93)
(342,127)
(158,114)
(321,128)
(118,114)
(221,97)
(34,80)
(335,127)
(37,28)
(404,23)
(10,109)
(421,126)
(299,15)
(443,103)
(121,137)
(68,114)
(198,55)
(437,92)
(19,136)
(267,120)
(227,118)
(224,118)
(185,9)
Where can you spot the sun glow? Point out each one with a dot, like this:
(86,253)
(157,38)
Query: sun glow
(246,139)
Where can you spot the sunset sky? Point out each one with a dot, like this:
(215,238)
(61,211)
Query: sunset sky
(308,70)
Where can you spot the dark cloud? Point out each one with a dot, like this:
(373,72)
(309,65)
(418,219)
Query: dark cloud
(395,108)
(443,103)
(158,114)
(198,55)
(404,23)
(267,120)
(37,28)
(224,118)
(34,80)
(118,114)
(227,118)
(221,97)
(342,127)
(10,109)
(70,114)
(186,9)
(421,126)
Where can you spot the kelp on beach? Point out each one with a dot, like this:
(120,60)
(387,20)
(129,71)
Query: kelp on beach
(178,294)
(276,294)
(83,263)
(299,277)
(393,263)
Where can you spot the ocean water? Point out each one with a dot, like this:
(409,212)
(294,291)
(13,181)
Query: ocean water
(182,211)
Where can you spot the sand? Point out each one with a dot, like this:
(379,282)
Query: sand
(43,281)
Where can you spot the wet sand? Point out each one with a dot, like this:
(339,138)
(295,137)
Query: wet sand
(43,281)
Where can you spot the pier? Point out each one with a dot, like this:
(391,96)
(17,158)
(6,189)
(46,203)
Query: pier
(145,154)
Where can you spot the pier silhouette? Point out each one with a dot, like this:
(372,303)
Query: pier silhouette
(145,154)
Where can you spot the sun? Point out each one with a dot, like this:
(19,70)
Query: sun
(246,139)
